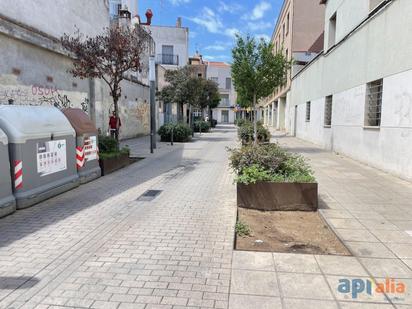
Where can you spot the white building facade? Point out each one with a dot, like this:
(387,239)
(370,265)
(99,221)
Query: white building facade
(221,73)
(171,52)
(172,45)
(355,98)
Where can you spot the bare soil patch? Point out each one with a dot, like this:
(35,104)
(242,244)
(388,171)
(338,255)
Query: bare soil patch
(288,232)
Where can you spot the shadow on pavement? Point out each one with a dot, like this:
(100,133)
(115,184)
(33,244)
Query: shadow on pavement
(57,209)
(15,283)
(306,150)
(52,211)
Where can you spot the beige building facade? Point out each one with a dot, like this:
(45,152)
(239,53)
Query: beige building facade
(221,73)
(298,34)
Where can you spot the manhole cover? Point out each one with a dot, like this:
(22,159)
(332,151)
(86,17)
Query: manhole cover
(149,195)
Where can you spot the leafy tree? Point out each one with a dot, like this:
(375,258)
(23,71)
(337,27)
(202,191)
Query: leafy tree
(211,97)
(184,88)
(207,94)
(179,88)
(256,71)
(109,56)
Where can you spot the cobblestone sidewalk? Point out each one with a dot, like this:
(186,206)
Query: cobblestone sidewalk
(99,247)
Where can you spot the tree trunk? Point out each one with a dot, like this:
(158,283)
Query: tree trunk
(191,120)
(116,95)
(180,116)
(116,112)
(255,135)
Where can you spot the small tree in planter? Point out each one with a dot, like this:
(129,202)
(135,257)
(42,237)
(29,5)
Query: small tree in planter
(246,132)
(111,158)
(270,178)
(256,72)
(109,56)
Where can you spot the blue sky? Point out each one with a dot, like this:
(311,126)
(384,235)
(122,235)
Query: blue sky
(213,23)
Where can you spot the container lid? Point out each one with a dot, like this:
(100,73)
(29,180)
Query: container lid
(3,137)
(25,122)
(80,121)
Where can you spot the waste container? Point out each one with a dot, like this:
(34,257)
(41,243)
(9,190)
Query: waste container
(7,201)
(87,157)
(42,147)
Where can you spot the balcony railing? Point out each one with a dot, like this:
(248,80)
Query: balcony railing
(167,59)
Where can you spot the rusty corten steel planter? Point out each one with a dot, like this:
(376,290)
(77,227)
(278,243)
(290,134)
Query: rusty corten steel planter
(283,196)
(109,165)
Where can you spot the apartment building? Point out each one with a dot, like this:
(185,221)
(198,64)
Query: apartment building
(130,5)
(299,35)
(171,52)
(221,73)
(356,97)
(172,45)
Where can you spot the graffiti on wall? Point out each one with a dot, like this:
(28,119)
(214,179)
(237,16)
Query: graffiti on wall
(42,95)
(142,113)
(63,101)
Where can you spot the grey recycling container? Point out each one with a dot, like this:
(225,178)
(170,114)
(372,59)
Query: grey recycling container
(42,148)
(87,156)
(7,201)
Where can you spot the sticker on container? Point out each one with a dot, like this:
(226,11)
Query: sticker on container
(90,148)
(51,157)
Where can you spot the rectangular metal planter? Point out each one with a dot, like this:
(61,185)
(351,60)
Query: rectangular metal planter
(110,165)
(271,196)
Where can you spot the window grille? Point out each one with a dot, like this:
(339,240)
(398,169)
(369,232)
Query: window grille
(307,111)
(373,111)
(328,111)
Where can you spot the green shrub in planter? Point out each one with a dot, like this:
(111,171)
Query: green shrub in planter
(108,148)
(246,133)
(107,144)
(270,163)
(204,125)
(181,132)
(240,122)
(108,155)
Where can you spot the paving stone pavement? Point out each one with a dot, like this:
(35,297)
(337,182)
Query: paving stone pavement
(370,210)
(98,247)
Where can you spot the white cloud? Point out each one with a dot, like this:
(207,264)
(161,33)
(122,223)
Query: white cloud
(230,7)
(220,45)
(209,57)
(213,23)
(216,58)
(179,2)
(231,32)
(208,19)
(192,34)
(215,47)
(259,25)
(258,11)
